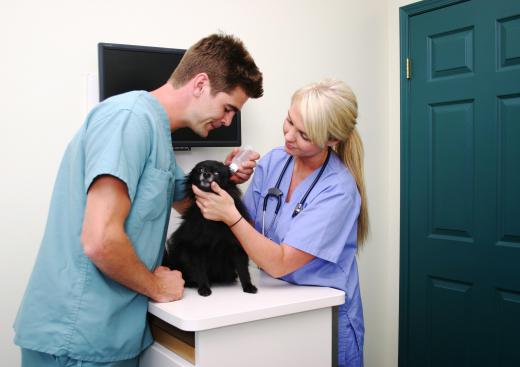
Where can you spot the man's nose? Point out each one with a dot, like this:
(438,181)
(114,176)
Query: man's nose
(228,117)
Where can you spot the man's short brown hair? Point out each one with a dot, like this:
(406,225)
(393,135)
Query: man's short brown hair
(227,63)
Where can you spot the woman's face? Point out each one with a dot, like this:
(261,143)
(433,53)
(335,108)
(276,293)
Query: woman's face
(297,143)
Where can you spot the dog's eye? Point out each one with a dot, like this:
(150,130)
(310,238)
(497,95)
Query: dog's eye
(216,173)
(202,170)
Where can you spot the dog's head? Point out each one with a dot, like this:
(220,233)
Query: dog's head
(205,172)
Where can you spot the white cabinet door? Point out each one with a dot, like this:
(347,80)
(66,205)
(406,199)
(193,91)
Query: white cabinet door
(159,356)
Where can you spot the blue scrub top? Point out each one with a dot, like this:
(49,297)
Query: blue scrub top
(70,308)
(326,228)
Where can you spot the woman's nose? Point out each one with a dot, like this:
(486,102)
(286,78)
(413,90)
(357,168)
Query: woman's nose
(289,134)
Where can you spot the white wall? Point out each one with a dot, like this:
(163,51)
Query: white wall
(390,286)
(49,48)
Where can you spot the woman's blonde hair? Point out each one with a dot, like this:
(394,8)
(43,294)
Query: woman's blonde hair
(329,112)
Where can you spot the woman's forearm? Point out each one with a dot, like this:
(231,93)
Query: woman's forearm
(268,255)
(276,260)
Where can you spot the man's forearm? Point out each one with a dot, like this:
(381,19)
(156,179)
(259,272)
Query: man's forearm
(116,258)
(105,242)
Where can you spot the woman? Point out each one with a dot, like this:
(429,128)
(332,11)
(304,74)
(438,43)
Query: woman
(308,205)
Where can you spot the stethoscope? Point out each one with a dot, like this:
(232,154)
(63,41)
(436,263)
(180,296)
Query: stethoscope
(277,193)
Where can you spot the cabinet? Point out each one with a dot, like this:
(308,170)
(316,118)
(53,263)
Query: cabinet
(282,325)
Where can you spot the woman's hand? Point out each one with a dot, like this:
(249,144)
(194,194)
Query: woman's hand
(245,170)
(217,205)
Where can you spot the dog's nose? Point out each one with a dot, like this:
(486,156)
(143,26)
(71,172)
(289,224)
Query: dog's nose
(206,175)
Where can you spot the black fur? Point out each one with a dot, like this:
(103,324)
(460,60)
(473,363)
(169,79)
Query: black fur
(205,251)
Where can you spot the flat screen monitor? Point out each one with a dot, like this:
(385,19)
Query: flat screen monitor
(124,68)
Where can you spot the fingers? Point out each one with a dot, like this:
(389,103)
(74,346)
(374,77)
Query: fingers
(215,187)
(248,166)
(199,193)
(239,177)
(196,190)
(230,156)
(207,195)
(254,156)
(201,207)
(170,285)
(246,169)
(242,175)
(206,213)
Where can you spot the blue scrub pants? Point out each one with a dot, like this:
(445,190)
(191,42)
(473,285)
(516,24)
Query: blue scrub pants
(31,358)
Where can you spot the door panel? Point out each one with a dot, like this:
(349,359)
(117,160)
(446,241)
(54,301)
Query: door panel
(461,186)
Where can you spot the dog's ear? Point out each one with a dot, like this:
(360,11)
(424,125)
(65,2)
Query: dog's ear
(225,175)
(190,179)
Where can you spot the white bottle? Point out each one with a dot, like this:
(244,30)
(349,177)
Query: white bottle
(243,155)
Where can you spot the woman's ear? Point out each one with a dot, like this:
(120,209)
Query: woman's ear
(332,142)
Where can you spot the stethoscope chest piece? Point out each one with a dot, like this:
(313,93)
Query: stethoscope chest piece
(275,192)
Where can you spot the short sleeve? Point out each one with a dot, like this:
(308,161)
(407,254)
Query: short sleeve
(324,227)
(252,196)
(179,192)
(117,145)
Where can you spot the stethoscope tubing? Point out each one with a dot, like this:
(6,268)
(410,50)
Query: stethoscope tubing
(277,193)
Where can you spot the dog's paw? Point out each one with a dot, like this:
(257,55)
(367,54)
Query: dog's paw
(204,291)
(249,288)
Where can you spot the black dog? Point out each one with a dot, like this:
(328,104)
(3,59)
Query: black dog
(205,251)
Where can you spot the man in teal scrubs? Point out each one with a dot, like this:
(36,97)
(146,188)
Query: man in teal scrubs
(98,264)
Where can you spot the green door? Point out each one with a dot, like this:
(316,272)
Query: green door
(460,177)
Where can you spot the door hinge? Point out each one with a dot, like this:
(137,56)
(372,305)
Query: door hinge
(408,68)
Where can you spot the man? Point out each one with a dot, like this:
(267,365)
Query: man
(97,267)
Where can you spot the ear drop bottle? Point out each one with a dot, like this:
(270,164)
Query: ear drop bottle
(241,157)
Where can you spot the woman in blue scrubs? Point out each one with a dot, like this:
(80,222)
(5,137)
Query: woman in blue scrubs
(308,204)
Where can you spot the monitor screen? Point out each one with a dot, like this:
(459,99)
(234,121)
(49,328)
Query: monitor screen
(124,68)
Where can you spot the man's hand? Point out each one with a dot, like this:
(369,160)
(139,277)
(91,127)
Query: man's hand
(170,285)
(182,205)
(246,169)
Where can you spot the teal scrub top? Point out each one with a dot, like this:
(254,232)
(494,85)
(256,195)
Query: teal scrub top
(70,308)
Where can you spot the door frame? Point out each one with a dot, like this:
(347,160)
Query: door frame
(405,13)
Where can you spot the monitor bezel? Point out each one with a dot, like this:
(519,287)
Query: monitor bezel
(177,144)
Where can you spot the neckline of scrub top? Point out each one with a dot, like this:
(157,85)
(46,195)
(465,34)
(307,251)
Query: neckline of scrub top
(286,182)
(163,117)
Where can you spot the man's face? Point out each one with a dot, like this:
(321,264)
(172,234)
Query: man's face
(213,111)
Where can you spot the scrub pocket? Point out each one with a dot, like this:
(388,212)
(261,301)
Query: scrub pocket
(151,197)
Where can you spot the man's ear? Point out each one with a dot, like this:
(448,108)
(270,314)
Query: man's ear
(199,82)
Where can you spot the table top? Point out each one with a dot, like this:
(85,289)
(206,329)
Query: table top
(229,305)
